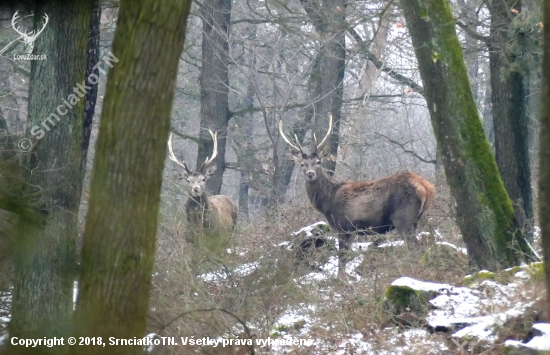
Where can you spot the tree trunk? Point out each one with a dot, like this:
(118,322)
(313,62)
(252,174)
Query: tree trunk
(119,238)
(214,82)
(485,213)
(487,117)
(329,21)
(325,89)
(45,258)
(544,179)
(91,95)
(471,45)
(509,106)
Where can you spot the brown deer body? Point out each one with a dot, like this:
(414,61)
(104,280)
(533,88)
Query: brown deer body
(393,202)
(207,215)
(216,213)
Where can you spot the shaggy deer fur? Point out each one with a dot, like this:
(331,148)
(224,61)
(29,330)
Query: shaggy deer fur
(211,214)
(378,206)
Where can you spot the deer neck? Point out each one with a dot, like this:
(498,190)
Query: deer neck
(321,191)
(198,204)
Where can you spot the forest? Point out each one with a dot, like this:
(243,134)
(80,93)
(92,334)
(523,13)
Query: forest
(274,177)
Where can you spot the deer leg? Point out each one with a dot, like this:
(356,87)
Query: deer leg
(344,247)
(405,226)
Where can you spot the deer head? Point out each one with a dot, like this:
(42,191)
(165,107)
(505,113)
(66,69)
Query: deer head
(310,163)
(197,180)
(28,38)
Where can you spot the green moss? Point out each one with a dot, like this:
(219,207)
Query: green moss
(534,270)
(478,277)
(399,299)
(274,335)
(282,328)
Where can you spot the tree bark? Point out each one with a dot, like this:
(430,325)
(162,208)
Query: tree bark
(91,95)
(471,45)
(214,82)
(328,19)
(544,153)
(44,256)
(485,213)
(510,120)
(119,238)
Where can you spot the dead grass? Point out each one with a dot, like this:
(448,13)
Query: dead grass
(249,305)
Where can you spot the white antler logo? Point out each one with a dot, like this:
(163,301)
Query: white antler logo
(28,38)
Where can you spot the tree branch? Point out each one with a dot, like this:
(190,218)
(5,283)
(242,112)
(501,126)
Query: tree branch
(380,65)
(402,146)
(472,33)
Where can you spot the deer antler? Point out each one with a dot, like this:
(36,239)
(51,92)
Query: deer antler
(214,151)
(320,145)
(296,148)
(15,27)
(173,157)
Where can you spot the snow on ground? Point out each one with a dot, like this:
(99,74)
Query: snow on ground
(477,313)
(540,343)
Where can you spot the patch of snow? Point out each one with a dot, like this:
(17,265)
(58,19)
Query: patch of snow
(420,285)
(352,265)
(539,343)
(3,339)
(246,269)
(241,270)
(360,246)
(331,267)
(308,229)
(461,250)
(396,243)
(75,294)
(356,342)
(484,328)
(285,245)
(150,348)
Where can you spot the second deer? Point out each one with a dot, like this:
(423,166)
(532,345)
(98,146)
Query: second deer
(207,216)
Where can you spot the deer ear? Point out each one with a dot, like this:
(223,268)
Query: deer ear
(210,171)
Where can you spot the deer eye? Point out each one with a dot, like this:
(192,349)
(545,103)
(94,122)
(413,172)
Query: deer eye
(302,164)
(203,180)
(318,162)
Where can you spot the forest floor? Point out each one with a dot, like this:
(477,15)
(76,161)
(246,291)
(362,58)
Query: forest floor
(265,297)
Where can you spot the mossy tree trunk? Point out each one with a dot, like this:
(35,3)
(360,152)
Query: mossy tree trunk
(544,179)
(214,82)
(484,212)
(45,255)
(119,238)
(509,105)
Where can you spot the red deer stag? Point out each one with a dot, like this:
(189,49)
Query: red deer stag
(206,215)
(378,206)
